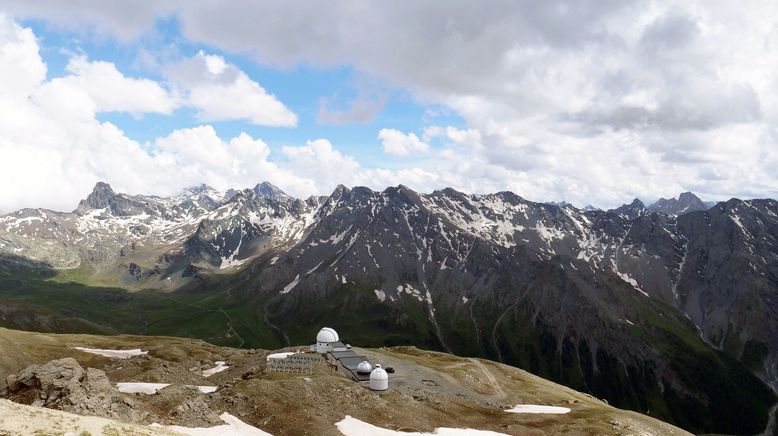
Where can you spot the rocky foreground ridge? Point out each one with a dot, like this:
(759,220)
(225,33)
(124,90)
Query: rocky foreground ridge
(428,390)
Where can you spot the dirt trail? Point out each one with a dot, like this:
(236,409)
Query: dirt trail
(499,393)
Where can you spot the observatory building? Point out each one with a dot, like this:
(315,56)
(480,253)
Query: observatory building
(353,365)
(327,340)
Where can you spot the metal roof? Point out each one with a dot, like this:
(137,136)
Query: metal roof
(350,360)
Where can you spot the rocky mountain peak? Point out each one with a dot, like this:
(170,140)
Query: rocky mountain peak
(685,203)
(268,190)
(101,197)
(632,210)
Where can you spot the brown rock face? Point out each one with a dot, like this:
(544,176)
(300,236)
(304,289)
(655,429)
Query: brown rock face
(63,384)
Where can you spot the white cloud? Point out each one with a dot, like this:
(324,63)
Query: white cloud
(321,164)
(592,102)
(397,143)
(221,91)
(54,148)
(22,68)
(469,138)
(110,90)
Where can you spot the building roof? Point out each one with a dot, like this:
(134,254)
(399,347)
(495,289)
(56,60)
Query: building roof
(350,361)
(342,353)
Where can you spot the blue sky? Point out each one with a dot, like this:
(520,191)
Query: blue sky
(301,88)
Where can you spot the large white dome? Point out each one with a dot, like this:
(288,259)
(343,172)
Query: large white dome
(327,335)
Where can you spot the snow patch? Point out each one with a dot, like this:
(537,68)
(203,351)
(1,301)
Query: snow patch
(534,408)
(233,427)
(279,356)
(231,262)
(141,388)
(115,354)
(631,281)
(220,366)
(291,286)
(410,290)
(206,389)
(314,268)
(353,427)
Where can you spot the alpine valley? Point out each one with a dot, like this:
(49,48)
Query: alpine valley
(669,310)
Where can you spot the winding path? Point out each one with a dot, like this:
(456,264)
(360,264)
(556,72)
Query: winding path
(499,393)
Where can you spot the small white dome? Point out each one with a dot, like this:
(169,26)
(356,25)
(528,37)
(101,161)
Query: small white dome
(327,335)
(364,367)
(379,374)
(379,379)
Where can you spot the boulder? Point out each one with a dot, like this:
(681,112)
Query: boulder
(27,376)
(13,383)
(96,381)
(63,384)
(60,374)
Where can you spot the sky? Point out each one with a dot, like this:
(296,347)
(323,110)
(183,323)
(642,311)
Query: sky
(590,102)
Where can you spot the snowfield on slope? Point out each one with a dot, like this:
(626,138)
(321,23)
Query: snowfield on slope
(350,426)
(534,408)
(233,427)
(114,354)
(140,388)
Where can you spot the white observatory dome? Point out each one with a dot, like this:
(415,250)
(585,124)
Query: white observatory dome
(379,379)
(327,335)
(364,367)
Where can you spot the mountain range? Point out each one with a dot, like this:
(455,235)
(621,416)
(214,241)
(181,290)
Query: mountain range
(668,310)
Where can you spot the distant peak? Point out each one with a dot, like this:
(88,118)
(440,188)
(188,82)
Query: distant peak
(268,190)
(340,189)
(688,196)
(632,210)
(636,203)
(685,203)
(102,187)
(101,197)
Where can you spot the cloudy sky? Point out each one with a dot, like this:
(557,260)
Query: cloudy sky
(592,102)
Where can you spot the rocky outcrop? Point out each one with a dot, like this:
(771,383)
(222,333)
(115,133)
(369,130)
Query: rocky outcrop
(64,385)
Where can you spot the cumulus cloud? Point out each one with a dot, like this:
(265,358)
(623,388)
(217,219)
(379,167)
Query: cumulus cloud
(221,91)
(592,102)
(110,90)
(54,148)
(22,69)
(397,143)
